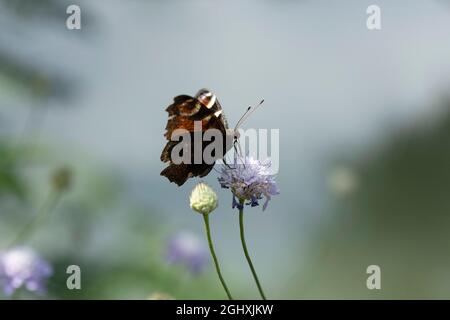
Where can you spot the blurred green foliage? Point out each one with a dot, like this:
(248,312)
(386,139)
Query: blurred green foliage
(398,218)
(11,182)
(37,81)
(31,8)
(95,215)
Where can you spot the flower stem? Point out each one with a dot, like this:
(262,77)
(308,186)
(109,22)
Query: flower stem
(213,254)
(40,217)
(244,246)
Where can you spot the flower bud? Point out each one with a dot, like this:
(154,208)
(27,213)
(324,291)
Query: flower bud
(203,199)
(61,179)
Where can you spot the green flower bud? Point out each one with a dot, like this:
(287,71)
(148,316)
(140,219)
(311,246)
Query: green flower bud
(61,179)
(203,199)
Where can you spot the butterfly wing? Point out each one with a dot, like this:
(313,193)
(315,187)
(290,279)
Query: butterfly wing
(183,112)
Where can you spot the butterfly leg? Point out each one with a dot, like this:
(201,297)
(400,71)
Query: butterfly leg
(225,162)
(238,151)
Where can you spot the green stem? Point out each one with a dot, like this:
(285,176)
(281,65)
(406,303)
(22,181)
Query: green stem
(244,246)
(40,217)
(213,254)
(16,294)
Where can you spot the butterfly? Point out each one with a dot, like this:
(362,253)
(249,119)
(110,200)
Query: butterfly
(185,111)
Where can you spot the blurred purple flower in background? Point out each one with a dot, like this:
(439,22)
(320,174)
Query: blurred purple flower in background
(187,249)
(22,266)
(249,180)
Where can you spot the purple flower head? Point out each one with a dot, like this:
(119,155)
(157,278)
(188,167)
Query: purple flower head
(187,249)
(249,180)
(23,267)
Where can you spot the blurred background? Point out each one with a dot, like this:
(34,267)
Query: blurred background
(364,119)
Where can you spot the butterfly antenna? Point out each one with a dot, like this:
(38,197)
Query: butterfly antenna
(247,114)
(243,116)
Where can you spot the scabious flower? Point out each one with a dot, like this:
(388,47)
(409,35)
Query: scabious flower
(23,267)
(203,199)
(187,249)
(249,180)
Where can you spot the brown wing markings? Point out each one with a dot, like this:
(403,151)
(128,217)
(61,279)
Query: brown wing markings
(176,173)
(186,123)
(211,122)
(183,105)
(182,114)
(165,154)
